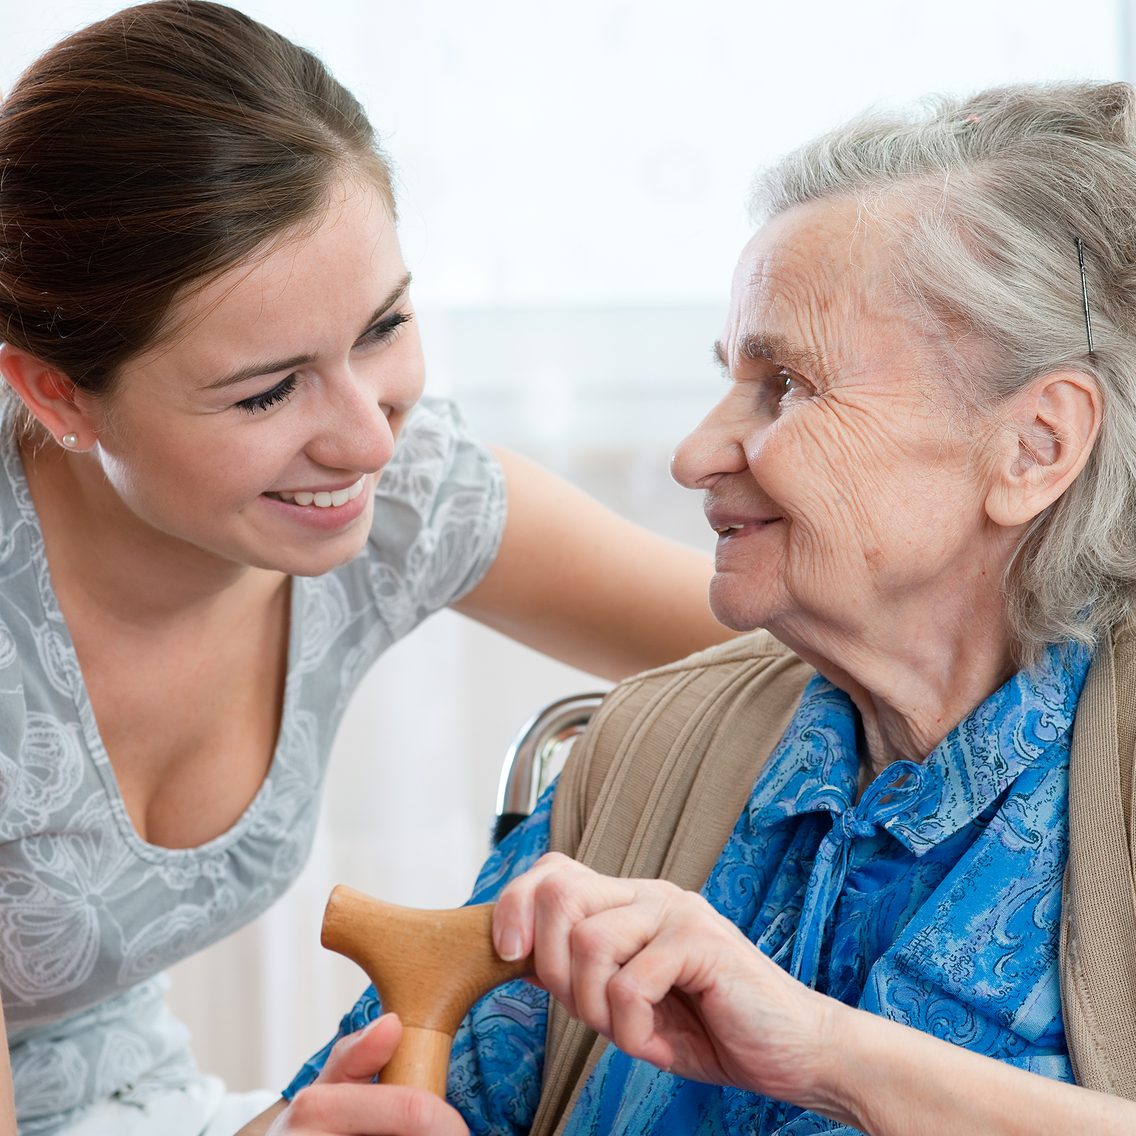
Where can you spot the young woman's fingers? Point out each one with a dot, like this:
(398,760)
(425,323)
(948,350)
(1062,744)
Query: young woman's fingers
(361,1055)
(342,1101)
(368,1110)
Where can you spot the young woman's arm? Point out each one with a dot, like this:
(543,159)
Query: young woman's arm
(7,1099)
(578,582)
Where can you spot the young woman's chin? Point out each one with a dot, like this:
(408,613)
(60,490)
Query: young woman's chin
(314,558)
(297,540)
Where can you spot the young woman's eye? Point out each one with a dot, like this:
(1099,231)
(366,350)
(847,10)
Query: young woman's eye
(385,329)
(279,393)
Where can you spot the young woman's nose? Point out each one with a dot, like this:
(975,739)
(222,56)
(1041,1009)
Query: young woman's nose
(711,449)
(356,433)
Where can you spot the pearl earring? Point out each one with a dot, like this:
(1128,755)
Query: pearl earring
(70,440)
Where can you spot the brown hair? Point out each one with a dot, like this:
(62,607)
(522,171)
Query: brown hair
(150,150)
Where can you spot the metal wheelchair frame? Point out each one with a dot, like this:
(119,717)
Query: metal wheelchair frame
(536,756)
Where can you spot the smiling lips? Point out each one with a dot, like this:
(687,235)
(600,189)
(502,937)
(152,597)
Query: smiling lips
(320,498)
(730,528)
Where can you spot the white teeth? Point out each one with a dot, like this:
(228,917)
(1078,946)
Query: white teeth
(323,499)
(728,528)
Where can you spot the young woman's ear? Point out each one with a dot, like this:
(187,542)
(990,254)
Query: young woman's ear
(1049,429)
(50,396)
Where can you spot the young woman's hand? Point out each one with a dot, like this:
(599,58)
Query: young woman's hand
(342,1101)
(661,974)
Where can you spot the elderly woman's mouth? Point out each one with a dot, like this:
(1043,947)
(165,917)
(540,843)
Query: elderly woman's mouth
(737,528)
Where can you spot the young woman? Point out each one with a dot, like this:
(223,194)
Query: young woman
(220,501)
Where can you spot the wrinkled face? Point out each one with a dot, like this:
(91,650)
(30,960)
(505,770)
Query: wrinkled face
(256,434)
(841,474)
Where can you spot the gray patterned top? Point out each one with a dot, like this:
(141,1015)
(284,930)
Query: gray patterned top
(91,914)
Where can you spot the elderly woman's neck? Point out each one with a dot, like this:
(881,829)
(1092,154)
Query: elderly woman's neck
(912,692)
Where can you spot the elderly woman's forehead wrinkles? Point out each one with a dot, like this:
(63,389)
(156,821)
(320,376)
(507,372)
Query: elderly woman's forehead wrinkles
(782,330)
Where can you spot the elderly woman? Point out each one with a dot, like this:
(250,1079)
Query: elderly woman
(923,479)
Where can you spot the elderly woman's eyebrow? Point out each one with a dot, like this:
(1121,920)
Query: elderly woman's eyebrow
(772,349)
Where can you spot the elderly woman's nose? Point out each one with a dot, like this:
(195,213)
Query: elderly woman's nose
(707,452)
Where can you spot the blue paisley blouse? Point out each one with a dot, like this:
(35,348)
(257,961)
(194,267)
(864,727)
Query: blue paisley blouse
(933,900)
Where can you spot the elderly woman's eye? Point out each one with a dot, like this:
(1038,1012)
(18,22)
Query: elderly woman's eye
(786,383)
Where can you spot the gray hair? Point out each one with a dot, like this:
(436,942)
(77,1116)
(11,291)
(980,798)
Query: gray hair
(986,197)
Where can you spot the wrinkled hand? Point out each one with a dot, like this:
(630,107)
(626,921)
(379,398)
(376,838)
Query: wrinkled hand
(342,1101)
(661,974)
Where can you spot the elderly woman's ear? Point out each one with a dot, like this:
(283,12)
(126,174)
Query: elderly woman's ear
(1048,430)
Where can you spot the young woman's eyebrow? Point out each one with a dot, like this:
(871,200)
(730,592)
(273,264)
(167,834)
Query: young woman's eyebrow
(271,367)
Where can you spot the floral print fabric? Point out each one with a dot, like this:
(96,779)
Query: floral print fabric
(933,900)
(90,914)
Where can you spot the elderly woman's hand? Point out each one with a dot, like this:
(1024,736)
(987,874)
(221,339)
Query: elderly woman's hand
(342,1101)
(659,972)
(666,978)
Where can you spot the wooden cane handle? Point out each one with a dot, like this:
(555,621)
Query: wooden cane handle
(429,967)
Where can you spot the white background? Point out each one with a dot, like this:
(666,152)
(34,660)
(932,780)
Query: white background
(572,184)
